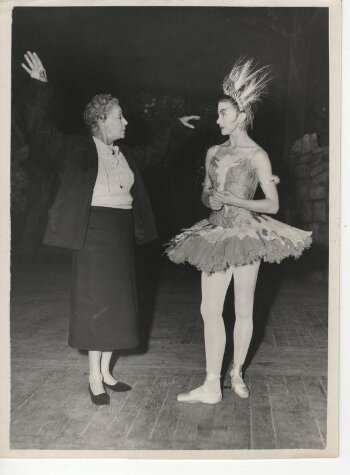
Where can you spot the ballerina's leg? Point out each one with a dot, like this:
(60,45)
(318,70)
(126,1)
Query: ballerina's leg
(214,288)
(245,278)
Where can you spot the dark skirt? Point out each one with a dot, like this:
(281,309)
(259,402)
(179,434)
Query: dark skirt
(103,313)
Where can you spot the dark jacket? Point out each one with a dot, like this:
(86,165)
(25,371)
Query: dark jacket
(69,215)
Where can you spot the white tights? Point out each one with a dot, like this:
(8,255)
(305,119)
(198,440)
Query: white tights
(214,288)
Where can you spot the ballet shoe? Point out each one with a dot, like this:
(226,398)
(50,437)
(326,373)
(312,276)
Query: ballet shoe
(201,394)
(241,389)
(238,385)
(101,399)
(118,387)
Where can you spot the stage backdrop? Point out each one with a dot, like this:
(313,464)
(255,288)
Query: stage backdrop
(164,62)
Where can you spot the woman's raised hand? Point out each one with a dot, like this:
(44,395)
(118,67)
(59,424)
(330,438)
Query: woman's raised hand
(185,120)
(34,67)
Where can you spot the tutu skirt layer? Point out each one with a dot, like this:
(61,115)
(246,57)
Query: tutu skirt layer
(213,248)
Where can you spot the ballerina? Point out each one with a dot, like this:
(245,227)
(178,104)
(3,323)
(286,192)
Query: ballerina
(237,236)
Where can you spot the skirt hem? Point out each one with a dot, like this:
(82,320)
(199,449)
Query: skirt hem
(212,248)
(108,348)
(225,265)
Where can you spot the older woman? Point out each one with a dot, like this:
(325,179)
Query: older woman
(101,203)
(237,236)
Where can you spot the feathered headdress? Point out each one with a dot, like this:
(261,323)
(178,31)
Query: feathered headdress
(245,85)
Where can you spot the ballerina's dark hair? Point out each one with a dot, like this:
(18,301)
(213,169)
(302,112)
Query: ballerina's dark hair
(249,112)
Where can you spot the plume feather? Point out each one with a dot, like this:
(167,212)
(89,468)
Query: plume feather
(244,84)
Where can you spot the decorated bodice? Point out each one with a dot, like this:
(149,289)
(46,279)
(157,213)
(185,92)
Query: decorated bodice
(236,174)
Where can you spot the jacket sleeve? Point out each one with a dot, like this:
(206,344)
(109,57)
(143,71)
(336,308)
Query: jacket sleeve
(41,130)
(161,151)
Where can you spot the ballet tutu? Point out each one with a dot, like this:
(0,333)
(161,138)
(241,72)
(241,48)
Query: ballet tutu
(213,248)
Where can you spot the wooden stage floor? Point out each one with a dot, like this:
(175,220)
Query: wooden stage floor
(287,371)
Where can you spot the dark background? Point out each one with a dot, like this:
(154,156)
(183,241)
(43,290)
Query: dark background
(163,62)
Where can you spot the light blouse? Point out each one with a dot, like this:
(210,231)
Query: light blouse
(114,178)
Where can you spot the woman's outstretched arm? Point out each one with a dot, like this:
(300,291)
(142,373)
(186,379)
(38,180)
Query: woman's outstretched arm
(154,154)
(42,131)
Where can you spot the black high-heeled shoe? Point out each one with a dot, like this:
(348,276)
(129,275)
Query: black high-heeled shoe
(99,399)
(118,387)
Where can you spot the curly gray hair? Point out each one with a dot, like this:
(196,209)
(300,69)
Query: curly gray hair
(98,108)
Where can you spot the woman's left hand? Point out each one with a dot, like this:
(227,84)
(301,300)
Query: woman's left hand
(185,120)
(226,198)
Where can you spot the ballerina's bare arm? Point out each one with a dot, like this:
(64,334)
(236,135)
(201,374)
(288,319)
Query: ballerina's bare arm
(207,195)
(270,204)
